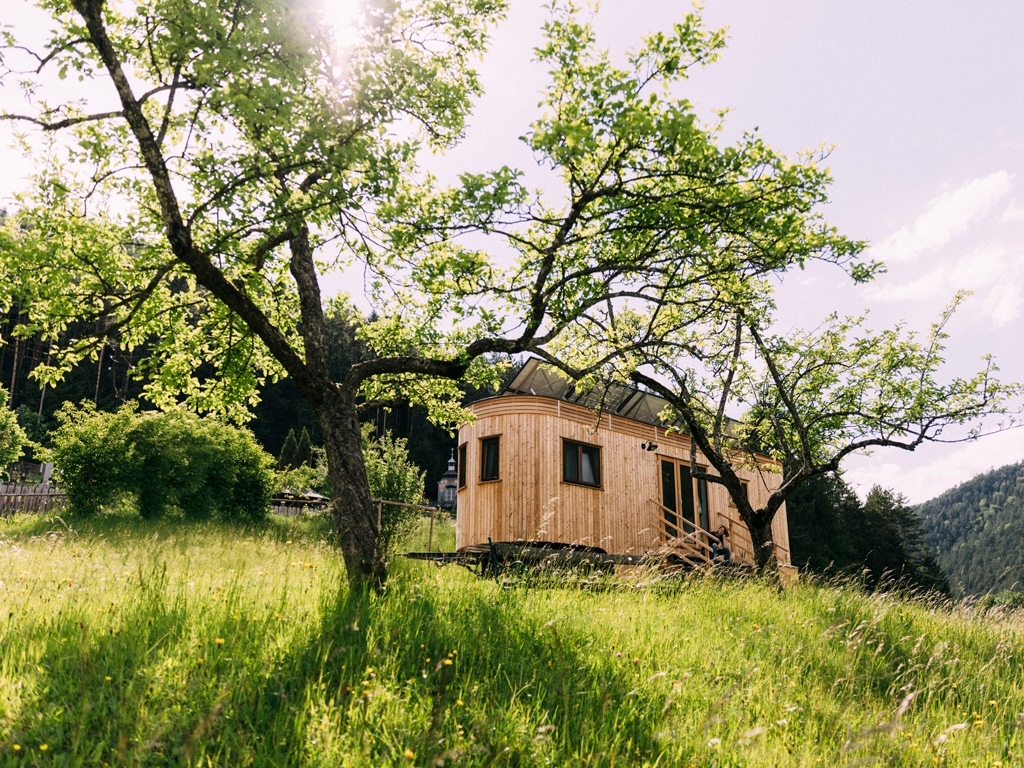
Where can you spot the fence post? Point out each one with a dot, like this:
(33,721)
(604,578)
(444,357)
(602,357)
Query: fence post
(430,538)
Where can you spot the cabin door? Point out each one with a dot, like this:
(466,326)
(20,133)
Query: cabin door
(685,501)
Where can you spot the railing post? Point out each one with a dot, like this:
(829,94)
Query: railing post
(430,538)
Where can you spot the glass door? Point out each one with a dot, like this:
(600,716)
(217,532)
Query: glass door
(685,500)
(669,497)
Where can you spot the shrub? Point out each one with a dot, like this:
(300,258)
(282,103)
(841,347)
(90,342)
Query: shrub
(163,460)
(298,479)
(90,448)
(392,477)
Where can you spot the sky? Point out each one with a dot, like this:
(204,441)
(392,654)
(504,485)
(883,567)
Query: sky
(922,105)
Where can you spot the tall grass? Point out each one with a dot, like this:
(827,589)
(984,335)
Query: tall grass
(132,643)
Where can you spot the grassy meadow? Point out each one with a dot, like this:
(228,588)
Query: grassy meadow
(124,642)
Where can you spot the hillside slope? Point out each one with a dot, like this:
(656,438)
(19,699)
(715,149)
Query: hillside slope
(167,643)
(977,531)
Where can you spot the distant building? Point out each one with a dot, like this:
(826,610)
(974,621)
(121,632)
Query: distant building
(448,486)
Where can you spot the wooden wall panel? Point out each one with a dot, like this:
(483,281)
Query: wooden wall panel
(530,501)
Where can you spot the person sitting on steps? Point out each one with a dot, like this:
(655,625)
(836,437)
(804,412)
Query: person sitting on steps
(718,547)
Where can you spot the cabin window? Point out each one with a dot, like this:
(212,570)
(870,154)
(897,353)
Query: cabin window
(581,463)
(489,458)
(462,466)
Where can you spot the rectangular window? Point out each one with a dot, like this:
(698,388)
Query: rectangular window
(462,466)
(581,463)
(669,498)
(686,499)
(489,458)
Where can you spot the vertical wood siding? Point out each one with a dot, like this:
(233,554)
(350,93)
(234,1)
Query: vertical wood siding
(529,500)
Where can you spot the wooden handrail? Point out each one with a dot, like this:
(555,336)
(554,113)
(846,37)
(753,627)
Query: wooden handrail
(703,549)
(680,524)
(741,533)
(749,541)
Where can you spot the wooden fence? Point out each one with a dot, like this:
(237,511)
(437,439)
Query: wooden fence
(30,499)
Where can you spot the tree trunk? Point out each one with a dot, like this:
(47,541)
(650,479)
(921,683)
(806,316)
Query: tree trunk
(354,514)
(764,544)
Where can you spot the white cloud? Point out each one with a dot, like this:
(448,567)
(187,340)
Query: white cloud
(1013,212)
(948,215)
(1006,299)
(978,271)
(949,466)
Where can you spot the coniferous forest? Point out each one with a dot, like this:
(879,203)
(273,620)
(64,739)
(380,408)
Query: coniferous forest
(878,542)
(977,532)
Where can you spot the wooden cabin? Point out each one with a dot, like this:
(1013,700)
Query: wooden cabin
(543,463)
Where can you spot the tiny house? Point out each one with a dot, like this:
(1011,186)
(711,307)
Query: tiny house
(544,463)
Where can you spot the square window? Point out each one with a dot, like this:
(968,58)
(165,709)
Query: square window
(581,463)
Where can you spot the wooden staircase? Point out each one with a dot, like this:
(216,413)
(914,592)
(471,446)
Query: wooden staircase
(683,549)
(690,551)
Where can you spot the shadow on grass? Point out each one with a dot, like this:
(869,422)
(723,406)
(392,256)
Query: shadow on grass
(454,669)
(465,673)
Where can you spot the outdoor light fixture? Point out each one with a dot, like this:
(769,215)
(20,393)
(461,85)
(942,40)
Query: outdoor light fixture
(649,446)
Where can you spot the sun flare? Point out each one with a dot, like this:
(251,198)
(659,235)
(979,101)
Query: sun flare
(345,17)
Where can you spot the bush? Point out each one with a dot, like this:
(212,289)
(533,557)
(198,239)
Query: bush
(162,460)
(392,477)
(299,479)
(1007,600)
(90,448)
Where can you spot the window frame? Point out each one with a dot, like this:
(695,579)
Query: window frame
(463,450)
(494,440)
(569,444)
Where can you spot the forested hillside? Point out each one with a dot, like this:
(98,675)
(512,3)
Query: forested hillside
(977,531)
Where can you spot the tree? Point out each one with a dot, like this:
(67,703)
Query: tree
(895,549)
(823,515)
(288,452)
(12,436)
(304,450)
(806,400)
(247,150)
